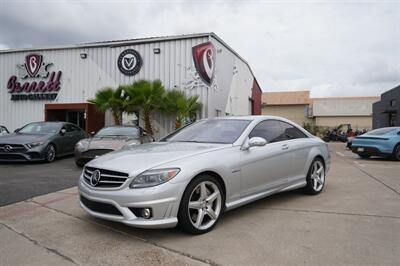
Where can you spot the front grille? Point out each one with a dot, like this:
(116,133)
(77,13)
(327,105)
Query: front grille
(96,152)
(12,148)
(100,207)
(108,178)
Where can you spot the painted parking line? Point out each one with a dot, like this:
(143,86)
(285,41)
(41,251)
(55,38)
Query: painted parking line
(360,164)
(339,153)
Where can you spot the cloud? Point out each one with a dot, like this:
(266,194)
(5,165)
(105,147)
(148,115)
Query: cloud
(332,49)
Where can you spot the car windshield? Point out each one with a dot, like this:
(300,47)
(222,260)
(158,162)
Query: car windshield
(222,131)
(118,131)
(380,131)
(41,128)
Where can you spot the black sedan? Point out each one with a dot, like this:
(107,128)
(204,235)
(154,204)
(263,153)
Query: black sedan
(40,141)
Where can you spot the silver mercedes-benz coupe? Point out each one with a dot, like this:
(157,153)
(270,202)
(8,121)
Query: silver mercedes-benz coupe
(193,175)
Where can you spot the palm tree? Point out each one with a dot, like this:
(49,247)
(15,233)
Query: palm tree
(176,103)
(113,100)
(145,96)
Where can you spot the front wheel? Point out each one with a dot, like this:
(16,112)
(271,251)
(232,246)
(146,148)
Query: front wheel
(315,177)
(201,206)
(50,154)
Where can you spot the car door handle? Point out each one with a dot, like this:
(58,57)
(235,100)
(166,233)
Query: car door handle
(285,147)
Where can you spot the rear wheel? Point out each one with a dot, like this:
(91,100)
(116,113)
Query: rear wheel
(201,206)
(315,177)
(396,152)
(50,154)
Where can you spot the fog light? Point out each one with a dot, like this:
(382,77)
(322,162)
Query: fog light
(146,213)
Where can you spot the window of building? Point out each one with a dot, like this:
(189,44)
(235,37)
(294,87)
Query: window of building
(393,103)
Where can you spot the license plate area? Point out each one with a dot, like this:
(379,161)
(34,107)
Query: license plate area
(360,149)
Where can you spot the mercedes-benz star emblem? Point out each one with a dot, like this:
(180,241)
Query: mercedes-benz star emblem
(95,178)
(7,148)
(129,62)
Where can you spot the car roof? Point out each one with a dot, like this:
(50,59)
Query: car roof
(253,117)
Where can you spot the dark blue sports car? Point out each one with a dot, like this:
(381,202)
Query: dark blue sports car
(383,142)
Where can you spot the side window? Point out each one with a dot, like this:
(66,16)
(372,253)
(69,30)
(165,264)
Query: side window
(69,127)
(271,130)
(291,132)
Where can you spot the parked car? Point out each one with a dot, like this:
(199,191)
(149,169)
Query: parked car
(383,142)
(339,133)
(109,139)
(195,174)
(3,131)
(40,141)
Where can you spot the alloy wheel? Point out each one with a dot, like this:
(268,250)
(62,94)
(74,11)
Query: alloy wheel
(205,204)
(51,153)
(317,175)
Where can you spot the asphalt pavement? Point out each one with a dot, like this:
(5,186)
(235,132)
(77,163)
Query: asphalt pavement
(21,181)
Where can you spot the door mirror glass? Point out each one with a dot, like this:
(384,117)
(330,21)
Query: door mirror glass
(257,142)
(63,131)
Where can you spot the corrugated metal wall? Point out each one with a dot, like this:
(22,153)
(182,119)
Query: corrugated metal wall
(81,78)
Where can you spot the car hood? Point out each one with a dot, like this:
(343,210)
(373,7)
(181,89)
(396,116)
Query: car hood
(109,143)
(136,159)
(18,138)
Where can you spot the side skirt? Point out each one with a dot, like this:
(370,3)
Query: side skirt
(251,198)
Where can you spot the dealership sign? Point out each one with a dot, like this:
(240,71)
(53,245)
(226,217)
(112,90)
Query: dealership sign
(36,82)
(204,61)
(129,62)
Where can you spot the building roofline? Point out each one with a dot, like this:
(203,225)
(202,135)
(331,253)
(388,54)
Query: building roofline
(118,43)
(347,98)
(115,43)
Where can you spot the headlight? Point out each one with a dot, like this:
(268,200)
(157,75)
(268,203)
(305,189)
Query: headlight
(153,178)
(82,146)
(34,144)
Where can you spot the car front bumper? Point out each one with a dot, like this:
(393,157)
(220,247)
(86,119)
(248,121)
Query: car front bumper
(21,157)
(163,200)
(368,150)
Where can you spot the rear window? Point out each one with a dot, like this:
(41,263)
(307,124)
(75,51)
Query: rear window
(380,131)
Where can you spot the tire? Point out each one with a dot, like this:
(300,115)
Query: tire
(207,200)
(315,177)
(50,154)
(364,156)
(79,164)
(396,152)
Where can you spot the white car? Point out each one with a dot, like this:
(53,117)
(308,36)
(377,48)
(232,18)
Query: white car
(195,174)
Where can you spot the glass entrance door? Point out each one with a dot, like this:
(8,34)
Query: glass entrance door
(76,117)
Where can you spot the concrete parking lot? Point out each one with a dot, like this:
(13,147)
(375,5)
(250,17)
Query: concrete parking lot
(355,220)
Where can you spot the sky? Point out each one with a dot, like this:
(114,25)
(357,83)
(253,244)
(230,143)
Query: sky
(332,48)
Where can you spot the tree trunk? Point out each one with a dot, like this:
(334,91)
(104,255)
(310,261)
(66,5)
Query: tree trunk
(117,120)
(147,123)
(178,123)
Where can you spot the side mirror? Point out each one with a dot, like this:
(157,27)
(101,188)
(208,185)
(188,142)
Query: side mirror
(257,142)
(254,142)
(144,133)
(92,133)
(63,131)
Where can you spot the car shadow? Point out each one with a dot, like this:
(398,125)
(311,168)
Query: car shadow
(158,235)
(35,162)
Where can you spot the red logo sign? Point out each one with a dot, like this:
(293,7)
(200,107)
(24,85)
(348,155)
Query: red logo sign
(204,61)
(46,88)
(33,62)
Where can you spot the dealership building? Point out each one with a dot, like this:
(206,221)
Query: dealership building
(54,84)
